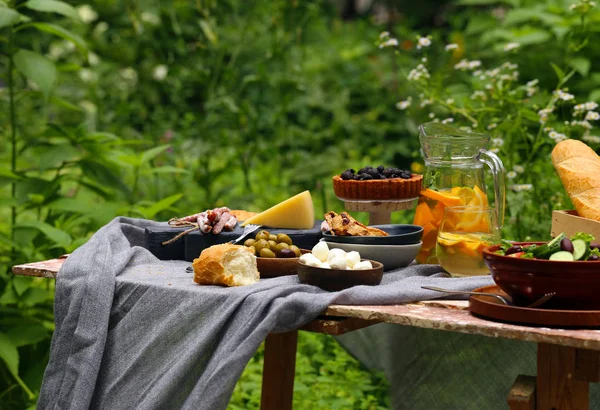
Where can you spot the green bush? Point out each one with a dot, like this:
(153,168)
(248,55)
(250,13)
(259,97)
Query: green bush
(154,109)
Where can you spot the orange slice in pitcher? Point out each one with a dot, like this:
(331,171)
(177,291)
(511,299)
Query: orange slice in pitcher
(423,215)
(450,239)
(479,199)
(444,197)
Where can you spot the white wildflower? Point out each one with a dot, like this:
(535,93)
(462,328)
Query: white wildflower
(492,126)
(450,101)
(451,46)
(510,66)
(511,174)
(511,46)
(93,59)
(557,136)
(86,75)
(129,74)
(477,73)
(425,103)
(584,124)
(531,91)
(431,115)
(423,42)
(150,18)
(488,86)
(544,113)
(465,65)
(563,95)
(86,13)
(417,73)
(497,142)
(591,138)
(521,187)
(100,28)
(403,105)
(573,6)
(591,105)
(478,94)
(391,42)
(160,72)
(448,120)
(424,60)
(495,150)
(519,169)
(532,83)
(384,34)
(592,116)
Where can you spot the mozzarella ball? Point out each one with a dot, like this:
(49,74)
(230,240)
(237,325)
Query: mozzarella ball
(352,258)
(363,265)
(310,260)
(320,251)
(338,263)
(325,265)
(336,254)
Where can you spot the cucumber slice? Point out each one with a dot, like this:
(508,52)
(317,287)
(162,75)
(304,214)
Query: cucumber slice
(581,249)
(562,256)
(546,250)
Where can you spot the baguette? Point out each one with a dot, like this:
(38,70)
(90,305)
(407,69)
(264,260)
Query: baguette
(579,169)
(226,264)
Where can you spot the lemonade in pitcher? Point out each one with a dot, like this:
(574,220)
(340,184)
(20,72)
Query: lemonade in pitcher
(430,211)
(454,161)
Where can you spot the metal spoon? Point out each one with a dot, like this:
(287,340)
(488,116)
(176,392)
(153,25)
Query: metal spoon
(534,304)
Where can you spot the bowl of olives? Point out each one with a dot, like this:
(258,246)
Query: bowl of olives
(276,255)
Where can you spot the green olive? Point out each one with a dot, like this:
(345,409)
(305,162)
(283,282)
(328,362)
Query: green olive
(296,250)
(273,238)
(249,242)
(260,244)
(267,253)
(284,238)
(280,247)
(273,246)
(263,235)
(253,249)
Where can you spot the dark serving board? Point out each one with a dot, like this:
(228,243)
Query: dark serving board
(189,247)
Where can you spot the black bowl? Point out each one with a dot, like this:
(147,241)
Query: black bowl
(399,234)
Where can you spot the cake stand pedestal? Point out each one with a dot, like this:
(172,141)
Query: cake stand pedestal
(380,212)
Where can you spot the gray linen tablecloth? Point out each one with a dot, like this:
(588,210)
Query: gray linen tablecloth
(136,332)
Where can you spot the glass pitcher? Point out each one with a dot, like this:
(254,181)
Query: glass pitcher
(454,177)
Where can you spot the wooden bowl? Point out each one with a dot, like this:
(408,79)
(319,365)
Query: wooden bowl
(337,279)
(275,267)
(576,284)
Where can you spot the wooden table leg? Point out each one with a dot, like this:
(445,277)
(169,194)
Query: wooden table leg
(522,394)
(557,388)
(278,371)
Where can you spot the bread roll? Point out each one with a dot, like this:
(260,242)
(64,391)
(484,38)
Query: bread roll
(226,264)
(579,169)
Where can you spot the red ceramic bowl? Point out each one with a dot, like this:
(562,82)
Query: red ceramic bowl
(576,284)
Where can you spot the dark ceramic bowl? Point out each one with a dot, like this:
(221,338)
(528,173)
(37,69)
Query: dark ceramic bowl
(337,279)
(576,284)
(399,234)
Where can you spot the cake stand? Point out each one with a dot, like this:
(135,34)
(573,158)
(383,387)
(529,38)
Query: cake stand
(380,211)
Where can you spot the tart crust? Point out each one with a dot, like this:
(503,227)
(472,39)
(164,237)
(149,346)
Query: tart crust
(378,189)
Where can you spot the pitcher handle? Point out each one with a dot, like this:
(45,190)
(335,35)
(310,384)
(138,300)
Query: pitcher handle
(495,164)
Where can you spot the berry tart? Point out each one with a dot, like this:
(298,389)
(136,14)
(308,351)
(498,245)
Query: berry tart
(387,184)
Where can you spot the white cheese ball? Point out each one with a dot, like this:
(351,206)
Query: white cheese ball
(320,251)
(338,263)
(325,265)
(336,254)
(352,258)
(363,265)
(310,260)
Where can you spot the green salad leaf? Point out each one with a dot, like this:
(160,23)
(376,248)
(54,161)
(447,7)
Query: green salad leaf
(586,237)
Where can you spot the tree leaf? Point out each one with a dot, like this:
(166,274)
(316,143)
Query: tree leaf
(559,73)
(33,296)
(53,6)
(56,235)
(21,284)
(9,296)
(148,155)
(60,102)
(8,17)
(581,64)
(10,354)
(161,205)
(208,31)
(62,33)
(37,68)
(6,177)
(27,334)
(167,169)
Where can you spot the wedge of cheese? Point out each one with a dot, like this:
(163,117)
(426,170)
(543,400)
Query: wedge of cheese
(296,212)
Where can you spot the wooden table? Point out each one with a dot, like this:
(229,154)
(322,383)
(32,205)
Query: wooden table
(567,360)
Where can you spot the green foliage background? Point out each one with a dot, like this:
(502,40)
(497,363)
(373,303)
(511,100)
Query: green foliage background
(153,109)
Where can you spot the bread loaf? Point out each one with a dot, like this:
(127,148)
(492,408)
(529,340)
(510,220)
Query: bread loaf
(226,264)
(579,169)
